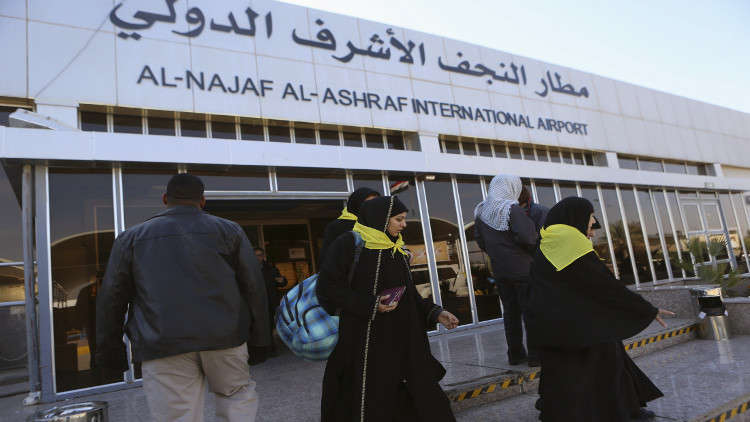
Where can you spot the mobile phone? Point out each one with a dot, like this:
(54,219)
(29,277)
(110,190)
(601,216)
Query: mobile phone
(394,294)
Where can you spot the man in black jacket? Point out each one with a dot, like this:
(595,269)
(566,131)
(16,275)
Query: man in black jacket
(194,295)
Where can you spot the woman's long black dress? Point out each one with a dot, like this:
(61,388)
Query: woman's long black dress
(580,315)
(401,376)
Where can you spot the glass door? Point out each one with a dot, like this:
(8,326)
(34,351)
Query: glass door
(704,220)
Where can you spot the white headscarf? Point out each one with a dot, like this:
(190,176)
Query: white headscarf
(502,194)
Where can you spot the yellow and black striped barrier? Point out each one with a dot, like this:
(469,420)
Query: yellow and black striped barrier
(499,385)
(663,336)
(729,414)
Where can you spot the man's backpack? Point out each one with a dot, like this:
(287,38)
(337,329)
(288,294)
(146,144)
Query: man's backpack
(302,322)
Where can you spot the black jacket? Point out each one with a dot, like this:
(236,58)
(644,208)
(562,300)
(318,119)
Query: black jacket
(333,230)
(191,283)
(510,251)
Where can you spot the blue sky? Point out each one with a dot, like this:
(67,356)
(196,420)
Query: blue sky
(696,49)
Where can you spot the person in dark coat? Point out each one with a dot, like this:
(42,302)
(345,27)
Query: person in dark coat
(580,314)
(536,212)
(346,220)
(273,278)
(504,231)
(382,369)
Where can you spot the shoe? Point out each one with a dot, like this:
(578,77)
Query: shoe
(643,415)
(538,404)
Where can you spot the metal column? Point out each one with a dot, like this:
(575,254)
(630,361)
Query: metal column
(32,338)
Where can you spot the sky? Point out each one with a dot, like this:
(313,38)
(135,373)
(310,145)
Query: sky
(696,49)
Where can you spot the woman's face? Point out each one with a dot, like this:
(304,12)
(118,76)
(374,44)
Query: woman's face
(396,224)
(590,231)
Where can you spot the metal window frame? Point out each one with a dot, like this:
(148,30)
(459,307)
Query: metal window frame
(739,227)
(429,245)
(626,230)
(644,232)
(464,248)
(674,229)
(662,239)
(605,220)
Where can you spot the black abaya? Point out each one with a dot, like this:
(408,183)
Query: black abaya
(337,227)
(401,376)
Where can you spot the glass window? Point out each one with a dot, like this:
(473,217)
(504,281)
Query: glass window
(142,194)
(81,236)
(485,150)
(673,167)
(413,235)
(566,157)
(374,140)
(600,236)
(650,165)
(451,147)
(161,126)
(304,135)
(127,123)
(193,128)
(329,137)
(578,158)
(93,122)
(373,181)
(688,194)
(692,217)
(488,303)
(706,170)
(501,151)
(554,155)
(13,339)
(5,113)
(395,141)
(11,237)
(541,154)
(589,158)
(661,206)
(223,130)
(237,178)
(454,289)
(353,139)
(528,154)
(737,201)
(252,132)
(545,193)
(627,162)
(652,231)
(568,190)
(617,232)
(514,151)
(692,168)
(279,134)
(311,180)
(711,213)
(469,147)
(636,237)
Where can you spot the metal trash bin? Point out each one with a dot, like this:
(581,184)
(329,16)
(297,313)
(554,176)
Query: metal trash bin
(92,411)
(714,328)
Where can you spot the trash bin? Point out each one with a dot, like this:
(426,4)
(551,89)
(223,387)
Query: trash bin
(92,411)
(713,315)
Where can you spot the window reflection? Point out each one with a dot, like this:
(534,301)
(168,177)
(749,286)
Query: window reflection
(310,180)
(237,178)
(617,233)
(395,141)
(223,130)
(373,181)
(126,123)
(545,194)
(161,126)
(567,190)
(329,137)
(601,246)
(666,224)
(454,289)
(193,128)
(252,132)
(304,135)
(487,300)
(374,140)
(636,237)
(353,139)
(93,121)
(11,241)
(744,233)
(142,194)
(81,236)
(652,231)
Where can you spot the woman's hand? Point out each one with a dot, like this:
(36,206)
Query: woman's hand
(663,313)
(448,320)
(382,308)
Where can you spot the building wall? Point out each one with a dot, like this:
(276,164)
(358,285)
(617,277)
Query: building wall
(62,56)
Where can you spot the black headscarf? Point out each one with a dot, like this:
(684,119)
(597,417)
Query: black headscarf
(374,213)
(357,198)
(572,211)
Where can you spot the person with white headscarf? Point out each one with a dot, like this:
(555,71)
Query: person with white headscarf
(504,231)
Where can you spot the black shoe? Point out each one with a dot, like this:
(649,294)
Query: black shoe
(538,404)
(643,415)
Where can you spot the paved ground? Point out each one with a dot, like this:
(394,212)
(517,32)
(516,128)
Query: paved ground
(695,377)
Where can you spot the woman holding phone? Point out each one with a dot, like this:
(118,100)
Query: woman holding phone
(382,368)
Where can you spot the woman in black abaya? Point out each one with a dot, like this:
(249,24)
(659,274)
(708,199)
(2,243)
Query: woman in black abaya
(382,369)
(345,222)
(580,314)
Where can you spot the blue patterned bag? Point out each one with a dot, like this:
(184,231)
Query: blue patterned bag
(302,323)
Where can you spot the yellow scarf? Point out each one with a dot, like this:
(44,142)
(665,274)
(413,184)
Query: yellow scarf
(346,215)
(562,245)
(375,239)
